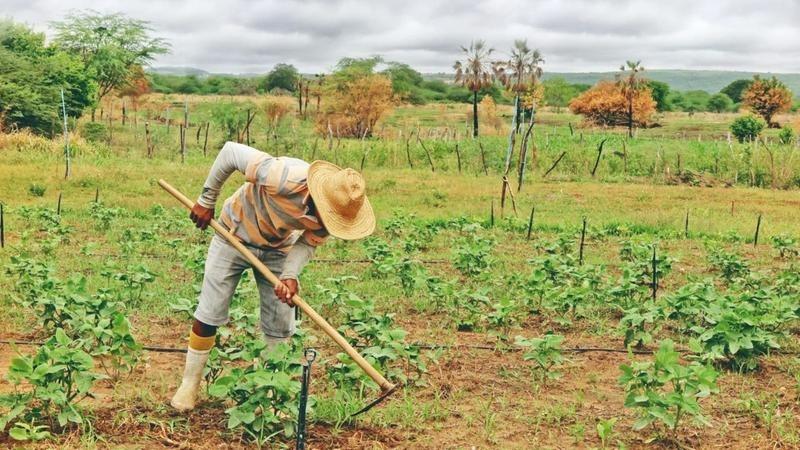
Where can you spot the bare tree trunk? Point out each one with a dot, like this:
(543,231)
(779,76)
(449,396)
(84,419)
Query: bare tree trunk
(68,168)
(475,114)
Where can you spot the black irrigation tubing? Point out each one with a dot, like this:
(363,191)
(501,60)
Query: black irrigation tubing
(427,346)
(319,260)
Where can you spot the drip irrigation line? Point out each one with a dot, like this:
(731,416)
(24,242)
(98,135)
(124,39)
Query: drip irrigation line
(318,260)
(426,346)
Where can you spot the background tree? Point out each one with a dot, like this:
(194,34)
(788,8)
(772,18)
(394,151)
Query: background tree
(111,46)
(660,92)
(356,98)
(735,89)
(605,104)
(475,73)
(631,84)
(719,102)
(33,75)
(521,72)
(406,82)
(282,76)
(747,127)
(767,97)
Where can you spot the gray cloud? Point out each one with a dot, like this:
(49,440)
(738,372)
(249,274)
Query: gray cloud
(580,35)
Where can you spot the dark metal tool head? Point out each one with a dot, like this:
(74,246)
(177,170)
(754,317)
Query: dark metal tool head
(378,400)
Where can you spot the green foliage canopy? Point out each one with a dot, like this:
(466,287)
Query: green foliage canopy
(282,76)
(111,46)
(720,102)
(735,89)
(33,75)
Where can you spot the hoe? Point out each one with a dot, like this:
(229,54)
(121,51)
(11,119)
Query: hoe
(386,387)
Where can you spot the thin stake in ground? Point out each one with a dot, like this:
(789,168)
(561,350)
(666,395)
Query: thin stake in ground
(530,223)
(2,227)
(583,238)
(758,228)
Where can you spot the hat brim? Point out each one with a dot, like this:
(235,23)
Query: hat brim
(361,225)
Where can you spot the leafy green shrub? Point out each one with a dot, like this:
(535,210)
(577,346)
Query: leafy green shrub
(95,132)
(664,391)
(36,190)
(58,376)
(787,135)
(747,128)
(545,351)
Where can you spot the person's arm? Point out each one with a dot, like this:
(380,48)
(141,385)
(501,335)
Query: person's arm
(299,255)
(231,158)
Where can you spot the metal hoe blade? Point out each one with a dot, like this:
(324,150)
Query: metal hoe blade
(375,402)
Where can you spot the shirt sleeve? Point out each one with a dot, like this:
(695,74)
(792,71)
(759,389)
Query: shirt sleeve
(231,158)
(297,258)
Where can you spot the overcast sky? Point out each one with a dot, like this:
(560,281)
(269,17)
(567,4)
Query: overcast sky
(245,36)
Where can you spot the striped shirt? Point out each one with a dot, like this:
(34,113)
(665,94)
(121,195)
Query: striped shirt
(271,210)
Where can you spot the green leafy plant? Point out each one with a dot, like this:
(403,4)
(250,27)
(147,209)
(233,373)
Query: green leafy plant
(664,391)
(747,128)
(57,377)
(605,431)
(729,265)
(738,329)
(264,392)
(546,352)
(787,135)
(384,345)
(472,254)
(785,245)
(37,190)
(640,323)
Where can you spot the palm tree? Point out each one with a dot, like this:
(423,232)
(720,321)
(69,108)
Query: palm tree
(631,83)
(475,72)
(520,72)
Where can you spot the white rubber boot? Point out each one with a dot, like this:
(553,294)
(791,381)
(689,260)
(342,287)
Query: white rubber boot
(186,396)
(273,342)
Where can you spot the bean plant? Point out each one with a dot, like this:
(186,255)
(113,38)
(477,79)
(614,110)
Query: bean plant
(663,391)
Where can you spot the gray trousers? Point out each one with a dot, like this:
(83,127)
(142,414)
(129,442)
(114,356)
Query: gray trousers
(224,267)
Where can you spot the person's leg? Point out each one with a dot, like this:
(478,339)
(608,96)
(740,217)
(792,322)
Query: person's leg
(277,318)
(223,270)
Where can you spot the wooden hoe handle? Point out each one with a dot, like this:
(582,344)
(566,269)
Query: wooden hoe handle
(299,302)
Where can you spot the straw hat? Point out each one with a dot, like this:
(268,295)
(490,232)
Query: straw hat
(341,201)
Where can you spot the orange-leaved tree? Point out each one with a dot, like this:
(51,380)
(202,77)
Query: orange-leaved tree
(353,108)
(767,97)
(606,104)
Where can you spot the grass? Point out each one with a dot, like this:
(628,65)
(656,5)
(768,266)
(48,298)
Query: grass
(470,397)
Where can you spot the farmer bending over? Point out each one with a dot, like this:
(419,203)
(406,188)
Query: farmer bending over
(282,213)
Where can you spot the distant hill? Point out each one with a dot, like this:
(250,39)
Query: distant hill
(170,70)
(710,81)
(684,80)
